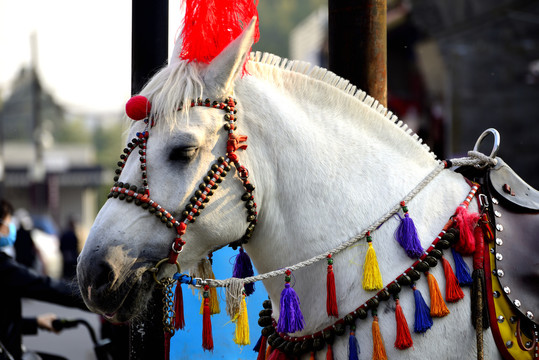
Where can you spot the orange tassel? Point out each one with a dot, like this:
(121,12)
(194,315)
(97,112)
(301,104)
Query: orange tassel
(437,304)
(207,337)
(453,292)
(404,339)
(268,352)
(378,351)
(331,299)
(312,356)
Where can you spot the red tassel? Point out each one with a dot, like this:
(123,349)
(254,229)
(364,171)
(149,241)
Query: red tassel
(262,350)
(207,337)
(329,353)
(277,355)
(168,335)
(453,292)
(404,338)
(179,319)
(210,25)
(466,223)
(478,256)
(331,299)
(311,357)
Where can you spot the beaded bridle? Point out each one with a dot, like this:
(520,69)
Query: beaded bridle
(140,196)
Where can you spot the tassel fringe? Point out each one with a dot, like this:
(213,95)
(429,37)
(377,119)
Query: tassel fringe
(379,351)
(353,345)
(404,338)
(244,268)
(438,308)
(372,278)
(453,292)
(331,298)
(241,336)
(290,317)
(462,271)
(466,223)
(406,235)
(423,320)
(207,337)
(179,318)
(262,349)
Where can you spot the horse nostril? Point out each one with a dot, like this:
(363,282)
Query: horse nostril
(103,274)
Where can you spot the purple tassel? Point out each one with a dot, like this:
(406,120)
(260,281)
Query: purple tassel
(423,320)
(353,345)
(244,268)
(290,318)
(406,235)
(462,271)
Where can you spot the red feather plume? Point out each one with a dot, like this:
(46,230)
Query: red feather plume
(210,25)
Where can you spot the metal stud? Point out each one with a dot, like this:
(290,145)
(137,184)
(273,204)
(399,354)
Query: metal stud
(506,290)
(509,344)
(529,314)
(513,319)
(499,242)
(499,227)
(495,201)
(496,294)
(499,257)
(501,319)
(500,273)
(517,303)
(497,213)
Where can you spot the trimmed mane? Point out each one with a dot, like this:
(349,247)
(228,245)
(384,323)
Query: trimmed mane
(339,84)
(182,81)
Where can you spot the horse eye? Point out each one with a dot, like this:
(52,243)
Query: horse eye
(182,153)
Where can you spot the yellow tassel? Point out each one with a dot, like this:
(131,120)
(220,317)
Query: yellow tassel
(379,350)
(372,278)
(241,337)
(438,308)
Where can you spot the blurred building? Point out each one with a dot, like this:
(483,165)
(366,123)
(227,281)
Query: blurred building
(55,181)
(456,68)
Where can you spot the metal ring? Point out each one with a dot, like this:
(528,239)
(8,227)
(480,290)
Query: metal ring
(174,249)
(155,269)
(495,146)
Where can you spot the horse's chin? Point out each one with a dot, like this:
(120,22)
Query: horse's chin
(123,306)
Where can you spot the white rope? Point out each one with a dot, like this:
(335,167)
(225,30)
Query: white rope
(474,159)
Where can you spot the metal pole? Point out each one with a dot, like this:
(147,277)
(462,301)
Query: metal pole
(149,53)
(358,44)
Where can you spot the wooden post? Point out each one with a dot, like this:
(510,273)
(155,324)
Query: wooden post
(357,33)
(149,53)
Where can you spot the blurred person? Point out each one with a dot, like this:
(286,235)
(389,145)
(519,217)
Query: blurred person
(25,250)
(69,246)
(18,281)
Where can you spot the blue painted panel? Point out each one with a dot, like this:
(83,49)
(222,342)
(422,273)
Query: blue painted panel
(187,343)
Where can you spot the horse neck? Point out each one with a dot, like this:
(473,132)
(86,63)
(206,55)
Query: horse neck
(326,167)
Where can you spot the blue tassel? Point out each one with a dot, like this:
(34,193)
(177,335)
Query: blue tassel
(407,237)
(462,271)
(258,343)
(353,345)
(244,268)
(423,320)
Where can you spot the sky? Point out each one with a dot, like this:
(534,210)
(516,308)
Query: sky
(83,49)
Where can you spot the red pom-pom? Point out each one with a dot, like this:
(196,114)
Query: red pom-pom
(138,107)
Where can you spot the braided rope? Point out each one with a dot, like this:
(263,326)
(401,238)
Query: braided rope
(474,159)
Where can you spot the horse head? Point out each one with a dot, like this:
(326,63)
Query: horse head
(181,145)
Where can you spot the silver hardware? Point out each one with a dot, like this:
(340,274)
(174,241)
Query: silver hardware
(499,242)
(497,213)
(499,227)
(495,201)
(509,344)
(500,273)
(483,201)
(517,303)
(506,290)
(513,319)
(499,257)
(501,319)
(529,315)
(492,251)
(496,294)
(495,146)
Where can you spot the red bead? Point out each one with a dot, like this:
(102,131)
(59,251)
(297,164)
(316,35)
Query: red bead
(138,107)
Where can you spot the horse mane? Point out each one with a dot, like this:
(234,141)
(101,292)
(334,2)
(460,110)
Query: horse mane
(181,82)
(337,83)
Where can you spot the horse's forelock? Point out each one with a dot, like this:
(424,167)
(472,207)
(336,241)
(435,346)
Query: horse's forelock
(174,85)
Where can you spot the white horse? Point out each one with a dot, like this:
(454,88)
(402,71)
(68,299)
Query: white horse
(327,162)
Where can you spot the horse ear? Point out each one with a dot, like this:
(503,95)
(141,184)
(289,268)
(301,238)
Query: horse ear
(228,65)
